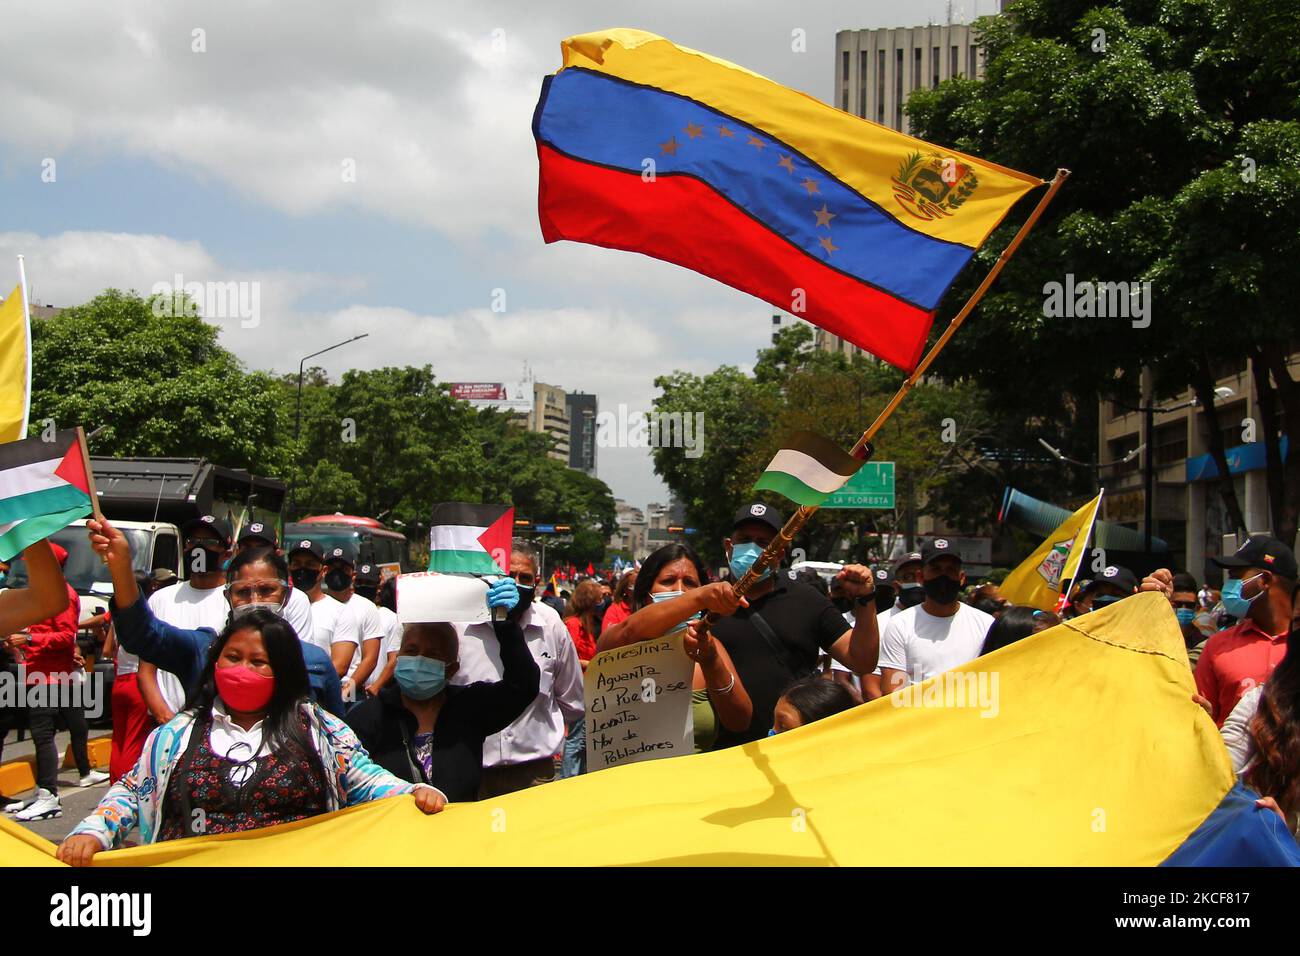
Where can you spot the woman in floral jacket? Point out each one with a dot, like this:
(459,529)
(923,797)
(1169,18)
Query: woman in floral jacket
(250,750)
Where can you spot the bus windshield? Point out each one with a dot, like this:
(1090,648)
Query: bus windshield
(83,569)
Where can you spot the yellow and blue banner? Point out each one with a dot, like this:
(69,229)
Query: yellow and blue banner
(654,148)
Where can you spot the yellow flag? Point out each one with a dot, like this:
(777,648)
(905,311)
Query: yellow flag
(1005,761)
(1042,576)
(14,381)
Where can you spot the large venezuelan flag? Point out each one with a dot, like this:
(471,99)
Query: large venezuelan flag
(1079,746)
(857,228)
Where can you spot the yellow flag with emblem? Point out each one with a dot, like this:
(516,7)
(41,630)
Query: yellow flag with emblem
(1041,577)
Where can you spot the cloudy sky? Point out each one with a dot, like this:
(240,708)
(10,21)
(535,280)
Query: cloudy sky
(227,164)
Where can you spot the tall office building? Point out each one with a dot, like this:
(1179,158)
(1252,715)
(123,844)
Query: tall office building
(582,432)
(550,414)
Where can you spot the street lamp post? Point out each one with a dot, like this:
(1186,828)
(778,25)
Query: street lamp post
(297,417)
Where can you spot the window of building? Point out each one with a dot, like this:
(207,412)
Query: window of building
(898,89)
(880,87)
(952,62)
(934,67)
(862,83)
(846,66)
(970,62)
(1171,443)
(916,68)
(1117,449)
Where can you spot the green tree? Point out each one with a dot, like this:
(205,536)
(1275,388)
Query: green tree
(1178,120)
(155,385)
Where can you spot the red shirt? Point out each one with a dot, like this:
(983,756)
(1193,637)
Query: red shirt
(582,640)
(616,614)
(1234,661)
(53,643)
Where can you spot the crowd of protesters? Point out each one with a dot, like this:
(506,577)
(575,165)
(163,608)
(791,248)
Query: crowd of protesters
(269,688)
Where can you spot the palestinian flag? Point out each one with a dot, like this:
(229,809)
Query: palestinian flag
(808,468)
(43,487)
(470,539)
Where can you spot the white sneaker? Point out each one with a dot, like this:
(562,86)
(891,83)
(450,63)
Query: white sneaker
(46,806)
(92,778)
(17,805)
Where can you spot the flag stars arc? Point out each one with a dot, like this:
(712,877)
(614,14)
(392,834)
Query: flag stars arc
(694,131)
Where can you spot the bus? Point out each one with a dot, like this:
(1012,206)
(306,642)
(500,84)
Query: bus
(370,540)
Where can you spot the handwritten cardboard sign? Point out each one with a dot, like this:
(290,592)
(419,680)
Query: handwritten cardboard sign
(639,703)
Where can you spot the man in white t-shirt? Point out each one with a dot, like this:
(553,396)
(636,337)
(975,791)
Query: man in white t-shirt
(199,601)
(340,579)
(297,609)
(366,585)
(940,633)
(333,625)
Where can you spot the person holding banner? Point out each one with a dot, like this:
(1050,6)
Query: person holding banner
(424,730)
(669,594)
(250,750)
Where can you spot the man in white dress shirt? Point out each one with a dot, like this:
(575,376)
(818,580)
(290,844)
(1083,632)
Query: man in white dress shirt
(522,755)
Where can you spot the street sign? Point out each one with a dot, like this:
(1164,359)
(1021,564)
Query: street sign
(544,528)
(871,488)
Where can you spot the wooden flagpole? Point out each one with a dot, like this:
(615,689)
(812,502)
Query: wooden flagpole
(863,444)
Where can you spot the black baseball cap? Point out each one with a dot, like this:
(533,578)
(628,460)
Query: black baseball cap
(208,521)
(937,548)
(310,547)
(257,529)
(367,574)
(909,558)
(1264,552)
(1122,578)
(342,553)
(759,512)
(883,577)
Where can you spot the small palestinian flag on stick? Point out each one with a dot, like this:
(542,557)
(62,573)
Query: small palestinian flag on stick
(44,486)
(808,468)
(470,539)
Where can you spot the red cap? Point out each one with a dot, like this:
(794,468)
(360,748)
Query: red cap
(60,553)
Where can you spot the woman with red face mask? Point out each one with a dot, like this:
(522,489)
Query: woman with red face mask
(249,750)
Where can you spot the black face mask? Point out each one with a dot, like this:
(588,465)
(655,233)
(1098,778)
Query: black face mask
(842,604)
(910,595)
(942,590)
(204,559)
(304,579)
(338,579)
(884,599)
(366,591)
(525,599)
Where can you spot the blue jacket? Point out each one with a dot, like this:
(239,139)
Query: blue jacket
(183,652)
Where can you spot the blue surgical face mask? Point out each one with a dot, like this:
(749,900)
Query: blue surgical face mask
(420,677)
(659,596)
(743,557)
(1104,600)
(1185,616)
(772,732)
(1233,602)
